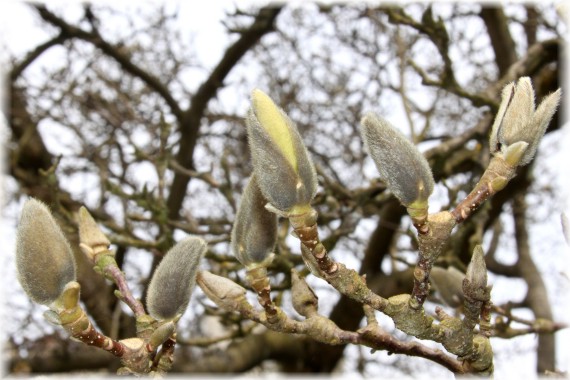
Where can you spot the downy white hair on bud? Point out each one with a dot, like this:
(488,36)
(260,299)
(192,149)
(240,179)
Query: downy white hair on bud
(401,165)
(174,279)
(44,259)
(285,173)
(518,121)
(254,233)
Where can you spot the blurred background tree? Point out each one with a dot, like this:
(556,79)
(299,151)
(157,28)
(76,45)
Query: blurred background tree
(118,109)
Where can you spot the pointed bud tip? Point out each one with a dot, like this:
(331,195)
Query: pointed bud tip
(254,233)
(285,172)
(400,164)
(44,259)
(174,279)
(477,269)
(89,232)
(224,292)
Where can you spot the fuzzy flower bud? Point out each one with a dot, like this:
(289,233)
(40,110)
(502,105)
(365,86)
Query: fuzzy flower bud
(518,121)
(401,165)
(286,175)
(174,279)
(44,259)
(254,233)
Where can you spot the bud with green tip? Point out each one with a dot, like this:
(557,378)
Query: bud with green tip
(174,279)
(254,233)
(44,259)
(517,121)
(286,175)
(401,165)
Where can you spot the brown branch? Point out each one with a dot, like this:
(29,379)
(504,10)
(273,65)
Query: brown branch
(191,120)
(126,295)
(347,313)
(34,54)
(531,24)
(375,337)
(52,353)
(245,354)
(537,56)
(70,31)
(495,178)
(500,36)
(537,295)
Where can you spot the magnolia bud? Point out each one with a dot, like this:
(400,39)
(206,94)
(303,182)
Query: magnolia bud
(401,165)
(517,120)
(91,238)
(475,282)
(224,292)
(285,174)
(44,259)
(161,334)
(449,284)
(305,301)
(174,278)
(254,233)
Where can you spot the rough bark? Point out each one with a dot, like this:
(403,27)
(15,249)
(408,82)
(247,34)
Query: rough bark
(191,119)
(347,314)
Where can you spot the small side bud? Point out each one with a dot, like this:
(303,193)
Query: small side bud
(174,279)
(449,284)
(92,239)
(254,233)
(305,301)
(66,306)
(475,282)
(161,334)
(401,165)
(286,175)
(224,292)
(514,153)
(44,259)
